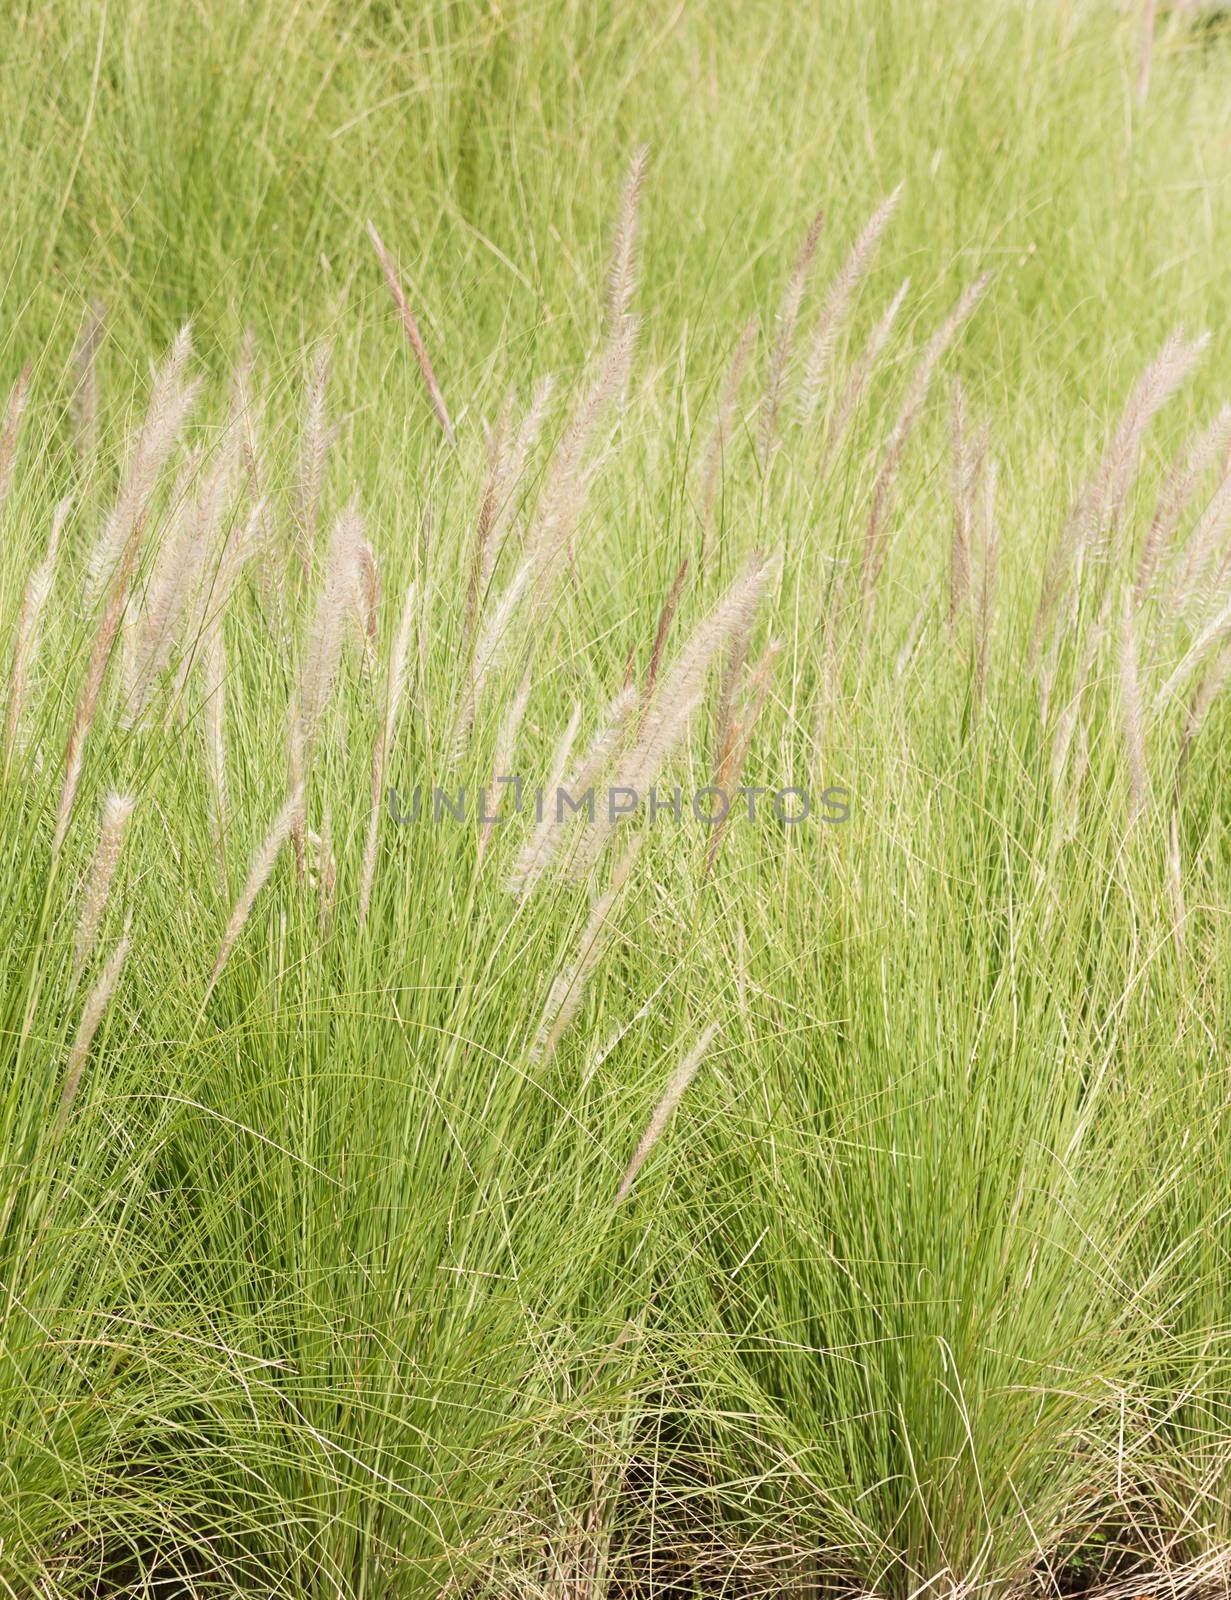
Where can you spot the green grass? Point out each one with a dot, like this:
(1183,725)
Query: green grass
(320,1288)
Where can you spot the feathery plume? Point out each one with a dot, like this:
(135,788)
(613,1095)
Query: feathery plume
(571,474)
(715,451)
(415,338)
(316,439)
(92,1012)
(568,987)
(560,504)
(171,401)
(665,1109)
(14,411)
(506,745)
(506,465)
(620,281)
(29,631)
(117,808)
(259,869)
(678,698)
(969,459)
(1096,511)
(171,582)
(862,371)
(895,447)
(838,303)
(85,401)
(96,668)
(788,317)
(1214,632)
(365,604)
(395,685)
(542,849)
(1175,884)
(1211,686)
(1196,457)
(535,853)
(1202,550)
(323,649)
(734,740)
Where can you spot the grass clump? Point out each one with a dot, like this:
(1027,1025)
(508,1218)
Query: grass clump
(414,1186)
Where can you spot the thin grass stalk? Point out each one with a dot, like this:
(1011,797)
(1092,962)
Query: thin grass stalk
(1132,719)
(715,453)
(395,688)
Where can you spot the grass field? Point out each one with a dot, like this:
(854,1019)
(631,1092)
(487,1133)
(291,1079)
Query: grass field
(771,396)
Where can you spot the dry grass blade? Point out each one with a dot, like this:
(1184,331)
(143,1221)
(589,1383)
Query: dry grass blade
(414,337)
